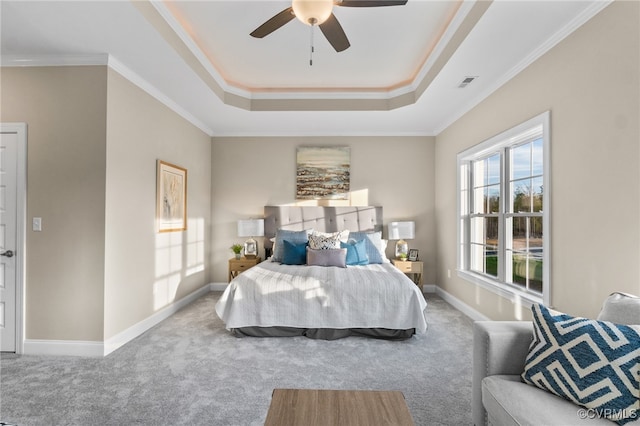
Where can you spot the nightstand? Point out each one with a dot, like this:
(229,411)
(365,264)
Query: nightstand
(236,266)
(414,268)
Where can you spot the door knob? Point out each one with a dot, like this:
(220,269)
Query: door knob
(7,253)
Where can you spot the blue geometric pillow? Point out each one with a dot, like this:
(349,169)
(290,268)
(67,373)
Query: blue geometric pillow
(595,364)
(356,252)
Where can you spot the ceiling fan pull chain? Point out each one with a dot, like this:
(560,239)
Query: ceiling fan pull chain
(311,53)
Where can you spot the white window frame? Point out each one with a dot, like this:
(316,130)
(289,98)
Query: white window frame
(506,139)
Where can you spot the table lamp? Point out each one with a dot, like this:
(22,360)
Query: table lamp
(251,228)
(402,231)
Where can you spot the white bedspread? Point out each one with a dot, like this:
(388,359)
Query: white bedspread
(371,296)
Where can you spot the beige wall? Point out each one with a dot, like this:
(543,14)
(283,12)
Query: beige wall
(144,270)
(65,110)
(98,266)
(394,172)
(590,83)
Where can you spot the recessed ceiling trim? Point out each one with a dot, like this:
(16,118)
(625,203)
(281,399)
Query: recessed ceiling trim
(469,19)
(293,94)
(438,50)
(462,23)
(362,95)
(194,49)
(154,16)
(306,100)
(242,98)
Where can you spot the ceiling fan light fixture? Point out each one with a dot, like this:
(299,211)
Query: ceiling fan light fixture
(312,12)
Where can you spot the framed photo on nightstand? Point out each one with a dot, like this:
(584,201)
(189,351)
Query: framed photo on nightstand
(413,255)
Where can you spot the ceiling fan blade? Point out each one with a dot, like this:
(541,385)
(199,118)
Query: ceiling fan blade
(274,23)
(334,33)
(370,3)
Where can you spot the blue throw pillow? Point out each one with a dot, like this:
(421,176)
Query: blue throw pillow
(296,237)
(294,254)
(595,364)
(373,244)
(356,252)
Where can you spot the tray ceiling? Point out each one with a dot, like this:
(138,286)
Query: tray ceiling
(401,75)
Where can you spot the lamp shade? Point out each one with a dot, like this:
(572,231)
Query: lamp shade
(402,230)
(251,228)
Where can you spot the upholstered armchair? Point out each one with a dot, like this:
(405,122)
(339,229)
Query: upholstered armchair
(500,397)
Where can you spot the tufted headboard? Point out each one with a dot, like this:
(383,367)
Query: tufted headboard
(324,219)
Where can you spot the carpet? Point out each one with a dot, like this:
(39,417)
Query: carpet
(188,370)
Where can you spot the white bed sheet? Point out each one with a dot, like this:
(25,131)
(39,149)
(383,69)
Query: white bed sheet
(369,296)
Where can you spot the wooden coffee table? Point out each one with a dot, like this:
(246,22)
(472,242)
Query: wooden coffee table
(337,407)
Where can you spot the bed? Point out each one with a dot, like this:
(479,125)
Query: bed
(273,299)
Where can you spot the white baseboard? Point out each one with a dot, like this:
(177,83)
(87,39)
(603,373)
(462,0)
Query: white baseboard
(63,348)
(99,349)
(461,306)
(218,286)
(429,288)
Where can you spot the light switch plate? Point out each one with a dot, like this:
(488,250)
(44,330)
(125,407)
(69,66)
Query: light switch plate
(37,224)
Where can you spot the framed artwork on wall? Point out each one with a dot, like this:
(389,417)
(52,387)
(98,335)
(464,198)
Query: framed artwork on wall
(323,173)
(171,197)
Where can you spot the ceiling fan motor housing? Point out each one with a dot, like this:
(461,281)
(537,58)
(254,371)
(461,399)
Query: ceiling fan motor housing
(312,12)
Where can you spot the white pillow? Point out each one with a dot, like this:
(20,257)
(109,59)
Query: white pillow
(621,308)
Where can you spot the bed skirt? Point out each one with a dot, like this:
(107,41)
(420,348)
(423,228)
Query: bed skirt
(324,333)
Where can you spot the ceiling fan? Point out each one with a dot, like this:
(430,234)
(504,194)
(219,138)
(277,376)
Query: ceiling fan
(320,13)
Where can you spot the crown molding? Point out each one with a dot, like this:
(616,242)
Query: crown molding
(111,62)
(53,60)
(591,11)
(156,93)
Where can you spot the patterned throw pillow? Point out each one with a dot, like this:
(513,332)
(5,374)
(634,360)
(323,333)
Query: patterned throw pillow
(593,363)
(325,241)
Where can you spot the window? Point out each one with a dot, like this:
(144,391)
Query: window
(503,212)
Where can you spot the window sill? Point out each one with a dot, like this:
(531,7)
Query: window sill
(502,290)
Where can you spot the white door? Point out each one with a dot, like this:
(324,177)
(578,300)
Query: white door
(8,239)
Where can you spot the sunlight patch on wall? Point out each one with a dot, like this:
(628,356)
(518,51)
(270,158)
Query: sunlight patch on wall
(178,255)
(356,198)
(164,290)
(169,263)
(168,253)
(195,246)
